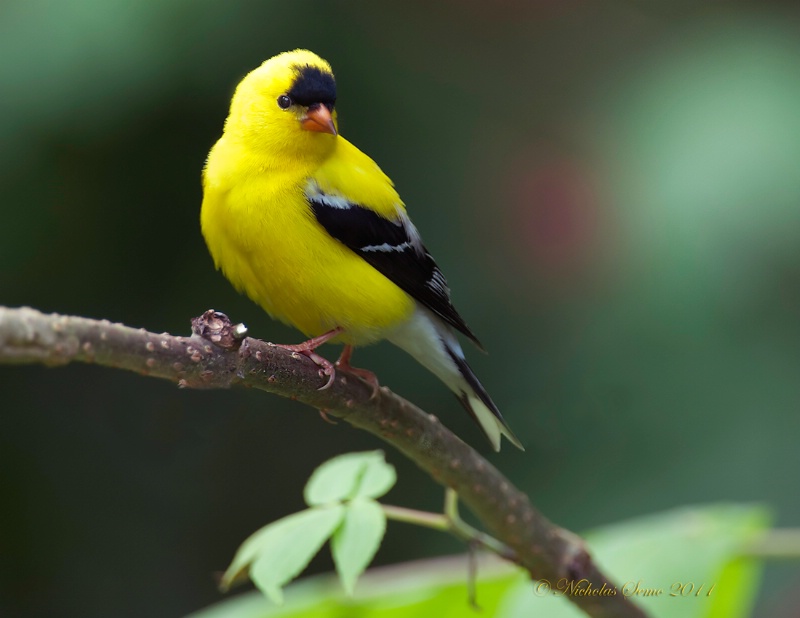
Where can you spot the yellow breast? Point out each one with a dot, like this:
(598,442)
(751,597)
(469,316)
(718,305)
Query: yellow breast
(264,237)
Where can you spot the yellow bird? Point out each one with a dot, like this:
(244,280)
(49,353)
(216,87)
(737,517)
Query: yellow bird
(311,229)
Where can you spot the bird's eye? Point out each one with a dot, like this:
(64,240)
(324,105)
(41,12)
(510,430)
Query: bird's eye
(284,101)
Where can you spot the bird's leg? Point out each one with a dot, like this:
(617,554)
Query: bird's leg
(365,374)
(307,349)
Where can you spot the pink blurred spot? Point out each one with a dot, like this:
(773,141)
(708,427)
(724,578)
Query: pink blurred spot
(553,215)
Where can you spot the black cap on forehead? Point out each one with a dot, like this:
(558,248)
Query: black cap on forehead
(313,85)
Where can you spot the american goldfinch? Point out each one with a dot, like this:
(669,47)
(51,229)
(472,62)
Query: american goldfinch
(311,229)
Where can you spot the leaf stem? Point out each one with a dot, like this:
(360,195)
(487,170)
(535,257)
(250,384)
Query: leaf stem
(436,521)
(450,521)
(775,544)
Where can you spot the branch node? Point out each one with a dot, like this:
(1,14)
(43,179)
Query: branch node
(577,561)
(217,328)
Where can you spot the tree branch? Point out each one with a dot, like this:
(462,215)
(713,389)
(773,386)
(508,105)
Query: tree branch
(218,355)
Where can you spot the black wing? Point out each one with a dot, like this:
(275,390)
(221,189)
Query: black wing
(393,248)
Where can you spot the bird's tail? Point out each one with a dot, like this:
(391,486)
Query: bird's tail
(477,402)
(434,345)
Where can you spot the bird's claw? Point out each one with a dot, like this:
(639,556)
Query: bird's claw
(365,374)
(324,414)
(307,349)
(326,368)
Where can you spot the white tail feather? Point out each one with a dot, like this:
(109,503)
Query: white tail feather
(434,345)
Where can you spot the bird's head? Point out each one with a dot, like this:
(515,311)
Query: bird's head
(285,107)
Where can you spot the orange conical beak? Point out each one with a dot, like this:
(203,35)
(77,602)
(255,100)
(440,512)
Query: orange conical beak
(318,119)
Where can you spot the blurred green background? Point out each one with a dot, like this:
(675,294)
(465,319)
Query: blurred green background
(611,188)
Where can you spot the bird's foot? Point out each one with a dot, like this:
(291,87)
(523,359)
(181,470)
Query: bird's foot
(307,349)
(365,374)
(324,415)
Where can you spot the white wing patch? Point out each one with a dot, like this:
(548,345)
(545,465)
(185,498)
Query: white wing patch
(439,283)
(411,231)
(386,247)
(331,200)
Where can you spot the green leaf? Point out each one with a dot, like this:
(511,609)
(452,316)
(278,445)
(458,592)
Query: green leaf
(434,587)
(689,545)
(355,542)
(667,563)
(738,586)
(347,476)
(378,478)
(279,551)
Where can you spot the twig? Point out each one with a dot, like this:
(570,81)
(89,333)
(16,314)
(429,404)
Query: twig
(451,522)
(216,356)
(779,543)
